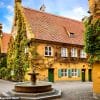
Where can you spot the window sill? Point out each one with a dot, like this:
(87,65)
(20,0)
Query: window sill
(48,55)
(64,57)
(74,57)
(82,57)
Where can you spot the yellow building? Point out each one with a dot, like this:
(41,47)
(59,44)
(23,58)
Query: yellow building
(59,43)
(94,7)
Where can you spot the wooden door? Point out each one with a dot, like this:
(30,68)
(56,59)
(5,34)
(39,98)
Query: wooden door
(83,75)
(90,75)
(51,75)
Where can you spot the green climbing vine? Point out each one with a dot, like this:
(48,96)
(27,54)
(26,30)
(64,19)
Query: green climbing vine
(92,40)
(17,59)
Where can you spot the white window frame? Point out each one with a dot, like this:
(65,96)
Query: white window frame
(64,72)
(82,54)
(74,52)
(48,51)
(64,52)
(74,72)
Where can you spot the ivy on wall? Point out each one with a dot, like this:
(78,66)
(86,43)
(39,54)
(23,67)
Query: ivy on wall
(92,40)
(17,59)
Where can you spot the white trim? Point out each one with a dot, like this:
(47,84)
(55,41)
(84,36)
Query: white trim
(82,54)
(74,52)
(64,72)
(74,72)
(64,52)
(48,50)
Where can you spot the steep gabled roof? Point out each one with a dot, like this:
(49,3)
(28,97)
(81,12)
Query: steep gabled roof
(54,28)
(4,42)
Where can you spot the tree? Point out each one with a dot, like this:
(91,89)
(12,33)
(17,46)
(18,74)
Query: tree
(19,60)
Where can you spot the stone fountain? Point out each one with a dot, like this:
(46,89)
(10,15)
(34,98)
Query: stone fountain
(34,90)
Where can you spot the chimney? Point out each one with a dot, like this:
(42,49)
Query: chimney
(0,30)
(18,1)
(42,8)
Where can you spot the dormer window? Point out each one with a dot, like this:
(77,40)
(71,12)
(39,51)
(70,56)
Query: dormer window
(48,51)
(72,35)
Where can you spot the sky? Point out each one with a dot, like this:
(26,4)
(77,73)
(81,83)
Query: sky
(75,9)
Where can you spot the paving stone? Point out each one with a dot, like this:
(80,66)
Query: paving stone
(71,90)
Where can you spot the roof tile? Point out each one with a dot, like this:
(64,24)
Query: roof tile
(50,27)
(4,42)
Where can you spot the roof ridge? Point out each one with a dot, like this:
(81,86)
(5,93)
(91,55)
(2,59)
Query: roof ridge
(52,14)
(4,33)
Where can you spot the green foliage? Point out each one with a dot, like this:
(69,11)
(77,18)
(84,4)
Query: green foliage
(3,71)
(3,60)
(33,51)
(17,59)
(92,40)
(89,39)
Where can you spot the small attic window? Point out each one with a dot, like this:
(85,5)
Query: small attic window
(72,35)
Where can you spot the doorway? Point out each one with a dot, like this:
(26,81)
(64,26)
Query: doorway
(90,75)
(83,75)
(51,75)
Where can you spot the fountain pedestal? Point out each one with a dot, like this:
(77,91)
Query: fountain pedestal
(33,90)
(33,77)
(33,86)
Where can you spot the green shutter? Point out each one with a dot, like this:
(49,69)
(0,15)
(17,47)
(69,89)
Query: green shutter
(78,72)
(69,73)
(59,73)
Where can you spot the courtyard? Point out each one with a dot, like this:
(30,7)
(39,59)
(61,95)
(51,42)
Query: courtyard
(70,90)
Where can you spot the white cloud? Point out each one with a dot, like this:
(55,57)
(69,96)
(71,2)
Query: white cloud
(9,18)
(8,23)
(79,10)
(1,4)
(10,8)
(6,28)
(76,13)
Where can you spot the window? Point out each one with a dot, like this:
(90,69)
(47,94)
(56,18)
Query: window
(64,52)
(64,72)
(48,51)
(73,52)
(72,35)
(74,72)
(82,54)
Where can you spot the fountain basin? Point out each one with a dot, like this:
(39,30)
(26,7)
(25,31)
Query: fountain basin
(27,87)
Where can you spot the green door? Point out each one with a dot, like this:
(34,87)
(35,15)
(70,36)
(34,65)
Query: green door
(51,75)
(90,74)
(83,75)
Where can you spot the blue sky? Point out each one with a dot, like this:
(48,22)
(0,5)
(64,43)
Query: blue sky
(75,9)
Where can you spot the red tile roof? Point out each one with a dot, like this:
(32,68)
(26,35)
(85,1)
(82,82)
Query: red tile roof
(4,42)
(50,27)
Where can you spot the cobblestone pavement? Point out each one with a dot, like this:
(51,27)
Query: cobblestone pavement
(75,90)
(70,90)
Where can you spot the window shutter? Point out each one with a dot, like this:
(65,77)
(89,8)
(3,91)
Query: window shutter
(59,73)
(69,73)
(78,72)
